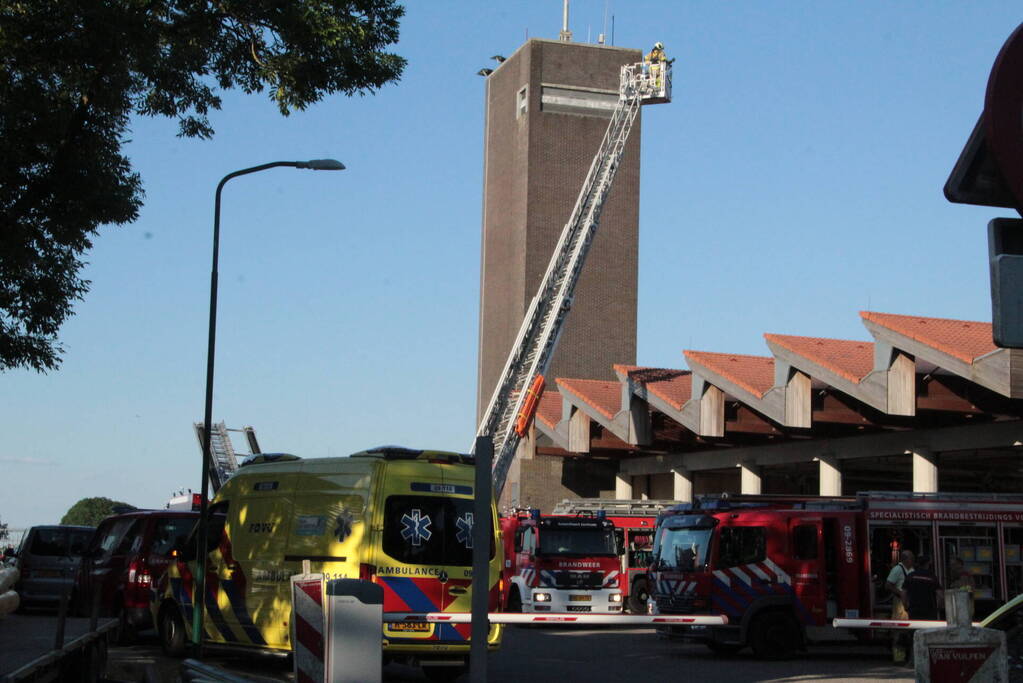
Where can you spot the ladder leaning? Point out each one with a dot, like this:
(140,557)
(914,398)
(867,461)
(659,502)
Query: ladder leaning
(541,328)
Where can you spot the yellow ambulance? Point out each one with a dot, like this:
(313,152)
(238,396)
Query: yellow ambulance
(399,517)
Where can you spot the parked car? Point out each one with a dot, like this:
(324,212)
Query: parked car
(126,555)
(48,559)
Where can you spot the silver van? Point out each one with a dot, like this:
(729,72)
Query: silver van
(48,560)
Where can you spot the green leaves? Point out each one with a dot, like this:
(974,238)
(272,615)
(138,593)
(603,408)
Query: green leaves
(73,75)
(92,511)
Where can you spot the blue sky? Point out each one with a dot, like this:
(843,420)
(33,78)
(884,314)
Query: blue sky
(794,181)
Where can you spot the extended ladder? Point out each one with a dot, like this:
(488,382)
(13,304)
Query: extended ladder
(542,326)
(224,460)
(613,507)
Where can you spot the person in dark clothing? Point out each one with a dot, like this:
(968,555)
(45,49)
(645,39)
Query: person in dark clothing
(922,592)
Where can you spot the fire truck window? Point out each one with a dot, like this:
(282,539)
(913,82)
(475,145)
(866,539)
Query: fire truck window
(804,542)
(742,545)
(518,540)
(640,550)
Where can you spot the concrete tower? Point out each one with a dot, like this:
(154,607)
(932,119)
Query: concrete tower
(547,108)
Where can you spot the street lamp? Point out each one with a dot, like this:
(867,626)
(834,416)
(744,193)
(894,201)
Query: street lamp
(199,600)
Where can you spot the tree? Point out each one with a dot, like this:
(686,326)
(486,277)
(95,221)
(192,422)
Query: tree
(91,511)
(73,73)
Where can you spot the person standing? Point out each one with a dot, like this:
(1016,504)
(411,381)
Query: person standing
(921,591)
(894,585)
(960,579)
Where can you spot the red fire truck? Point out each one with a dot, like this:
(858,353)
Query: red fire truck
(561,563)
(634,522)
(782,567)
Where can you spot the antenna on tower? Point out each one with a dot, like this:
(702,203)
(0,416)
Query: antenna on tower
(566,35)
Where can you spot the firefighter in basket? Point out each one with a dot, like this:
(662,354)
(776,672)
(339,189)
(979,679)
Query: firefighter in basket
(653,64)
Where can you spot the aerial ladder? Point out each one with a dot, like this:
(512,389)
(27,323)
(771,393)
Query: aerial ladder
(612,507)
(224,460)
(517,393)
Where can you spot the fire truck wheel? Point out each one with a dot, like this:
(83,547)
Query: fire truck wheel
(444,674)
(774,635)
(514,601)
(172,632)
(723,648)
(638,597)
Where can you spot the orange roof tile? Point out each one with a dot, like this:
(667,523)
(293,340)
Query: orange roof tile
(549,410)
(847,358)
(675,387)
(962,339)
(755,374)
(606,397)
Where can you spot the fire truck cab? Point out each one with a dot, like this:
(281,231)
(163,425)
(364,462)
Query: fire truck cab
(782,567)
(561,563)
(634,522)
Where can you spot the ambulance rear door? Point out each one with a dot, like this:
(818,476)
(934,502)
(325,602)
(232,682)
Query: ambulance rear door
(254,583)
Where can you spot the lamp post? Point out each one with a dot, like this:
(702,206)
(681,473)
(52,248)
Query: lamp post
(199,601)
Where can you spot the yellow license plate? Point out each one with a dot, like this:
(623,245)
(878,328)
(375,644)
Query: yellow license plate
(409,626)
(579,598)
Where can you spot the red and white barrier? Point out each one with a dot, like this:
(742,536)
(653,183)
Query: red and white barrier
(561,618)
(309,624)
(899,624)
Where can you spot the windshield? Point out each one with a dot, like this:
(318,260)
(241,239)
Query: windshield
(682,549)
(582,542)
(59,542)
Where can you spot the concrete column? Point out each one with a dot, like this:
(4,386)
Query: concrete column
(623,486)
(579,432)
(830,475)
(749,478)
(925,471)
(682,485)
(641,487)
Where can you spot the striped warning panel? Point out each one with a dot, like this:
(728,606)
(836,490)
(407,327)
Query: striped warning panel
(309,622)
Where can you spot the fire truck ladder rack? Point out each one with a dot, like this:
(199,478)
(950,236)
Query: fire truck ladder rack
(224,461)
(612,506)
(541,328)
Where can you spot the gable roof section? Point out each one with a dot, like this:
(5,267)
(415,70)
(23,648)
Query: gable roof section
(604,397)
(755,374)
(549,410)
(847,358)
(674,387)
(966,340)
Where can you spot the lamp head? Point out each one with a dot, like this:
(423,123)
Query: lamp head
(321,165)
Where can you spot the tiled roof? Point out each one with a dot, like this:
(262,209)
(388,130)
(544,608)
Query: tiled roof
(847,358)
(606,397)
(675,387)
(755,374)
(549,410)
(962,339)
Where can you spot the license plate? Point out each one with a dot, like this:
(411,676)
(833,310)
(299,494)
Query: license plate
(409,626)
(580,598)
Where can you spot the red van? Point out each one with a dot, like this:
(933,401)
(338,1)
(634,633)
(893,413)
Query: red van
(127,554)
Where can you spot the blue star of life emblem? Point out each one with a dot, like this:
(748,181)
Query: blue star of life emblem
(464,535)
(416,526)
